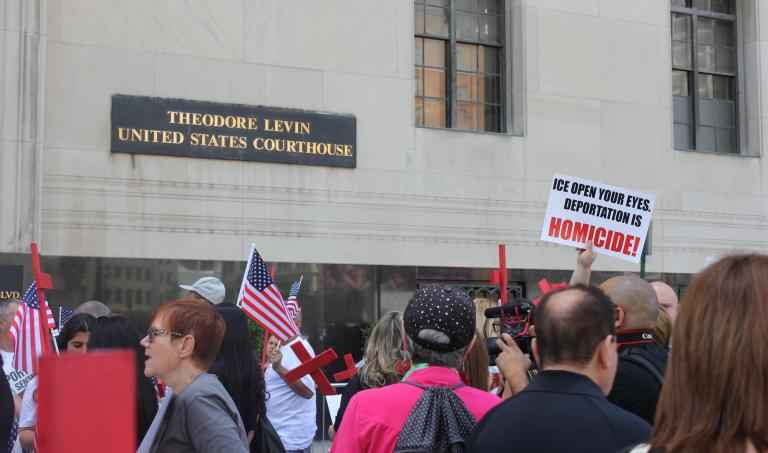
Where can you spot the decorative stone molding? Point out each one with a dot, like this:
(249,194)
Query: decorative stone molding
(22,112)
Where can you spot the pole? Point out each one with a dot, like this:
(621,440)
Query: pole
(43,282)
(503,273)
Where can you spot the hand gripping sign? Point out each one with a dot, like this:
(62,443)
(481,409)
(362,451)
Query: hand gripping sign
(312,366)
(613,218)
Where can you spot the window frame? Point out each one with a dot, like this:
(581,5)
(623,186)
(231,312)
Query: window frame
(511,119)
(693,82)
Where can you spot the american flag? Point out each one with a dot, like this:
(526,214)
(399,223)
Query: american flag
(65,315)
(292,304)
(12,437)
(27,331)
(261,300)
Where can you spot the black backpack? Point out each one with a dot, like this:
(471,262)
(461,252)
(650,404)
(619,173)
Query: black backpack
(439,422)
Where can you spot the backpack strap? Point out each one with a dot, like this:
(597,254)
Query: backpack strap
(425,387)
(638,359)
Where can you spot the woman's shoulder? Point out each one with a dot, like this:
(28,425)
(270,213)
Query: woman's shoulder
(203,386)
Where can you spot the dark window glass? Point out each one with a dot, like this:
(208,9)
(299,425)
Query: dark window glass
(704,71)
(471,97)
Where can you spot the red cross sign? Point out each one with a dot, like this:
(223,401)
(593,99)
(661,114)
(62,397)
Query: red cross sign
(313,367)
(350,371)
(499,276)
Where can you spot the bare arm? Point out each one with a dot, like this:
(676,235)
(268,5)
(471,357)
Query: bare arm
(297,386)
(27,438)
(584,259)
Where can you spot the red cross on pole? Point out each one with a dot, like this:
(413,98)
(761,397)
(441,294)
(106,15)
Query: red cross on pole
(43,282)
(499,276)
(313,367)
(348,372)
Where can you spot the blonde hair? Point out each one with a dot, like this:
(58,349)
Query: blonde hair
(384,350)
(484,325)
(663,329)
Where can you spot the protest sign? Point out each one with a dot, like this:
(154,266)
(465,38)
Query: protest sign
(18,380)
(87,403)
(613,218)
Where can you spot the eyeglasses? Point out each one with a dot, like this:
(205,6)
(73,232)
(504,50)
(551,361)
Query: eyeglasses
(153,333)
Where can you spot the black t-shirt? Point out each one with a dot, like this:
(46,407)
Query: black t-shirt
(353,386)
(635,388)
(6,408)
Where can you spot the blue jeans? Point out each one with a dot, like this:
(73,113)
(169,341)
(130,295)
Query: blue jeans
(306,450)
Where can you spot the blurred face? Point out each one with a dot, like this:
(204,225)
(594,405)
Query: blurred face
(667,299)
(272,345)
(161,349)
(6,321)
(79,343)
(608,352)
(298,320)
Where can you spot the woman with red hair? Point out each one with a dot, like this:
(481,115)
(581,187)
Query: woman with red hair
(181,344)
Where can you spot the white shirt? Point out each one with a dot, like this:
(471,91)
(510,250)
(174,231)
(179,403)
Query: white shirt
(292,416)
(16,379)
(28,416)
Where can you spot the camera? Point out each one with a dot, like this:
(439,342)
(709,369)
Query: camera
(515,319)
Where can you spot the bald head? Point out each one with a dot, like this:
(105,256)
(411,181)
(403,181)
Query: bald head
(667,298)
(571,323)
(636,298)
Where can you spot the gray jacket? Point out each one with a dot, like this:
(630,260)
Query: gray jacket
(201,419)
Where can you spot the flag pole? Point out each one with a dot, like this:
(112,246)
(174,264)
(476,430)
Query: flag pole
(43,282)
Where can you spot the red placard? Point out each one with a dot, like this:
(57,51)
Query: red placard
(87,403)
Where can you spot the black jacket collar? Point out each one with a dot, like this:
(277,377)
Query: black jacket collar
(555,381)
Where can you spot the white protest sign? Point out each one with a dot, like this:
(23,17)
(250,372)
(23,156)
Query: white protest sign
(334,403)
(615,219)
(18,380)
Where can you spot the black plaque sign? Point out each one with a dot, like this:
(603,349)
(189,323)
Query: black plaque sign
(178,127)
(11,281)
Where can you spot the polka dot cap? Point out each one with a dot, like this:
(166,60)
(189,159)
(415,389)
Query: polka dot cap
(444,309)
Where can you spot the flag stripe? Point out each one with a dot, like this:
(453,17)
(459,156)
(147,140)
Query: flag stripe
(261,300)
(273,296)
(274,308)
(277,321)
(266,322)
(27,331)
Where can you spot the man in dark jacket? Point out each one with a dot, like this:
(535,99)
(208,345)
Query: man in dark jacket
(564,408)
(642,361)
(6,411)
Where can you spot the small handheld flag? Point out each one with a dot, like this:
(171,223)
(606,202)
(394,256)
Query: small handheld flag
(293,304)
(261,300)
(28,331)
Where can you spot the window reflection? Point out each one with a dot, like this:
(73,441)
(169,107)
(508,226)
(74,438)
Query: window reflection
(340,302)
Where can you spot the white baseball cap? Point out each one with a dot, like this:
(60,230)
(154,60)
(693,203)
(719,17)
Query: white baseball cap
(209,288)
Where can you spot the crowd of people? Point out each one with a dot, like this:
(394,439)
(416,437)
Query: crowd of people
(620,366)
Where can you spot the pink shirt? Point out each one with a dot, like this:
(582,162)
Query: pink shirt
(375,417)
